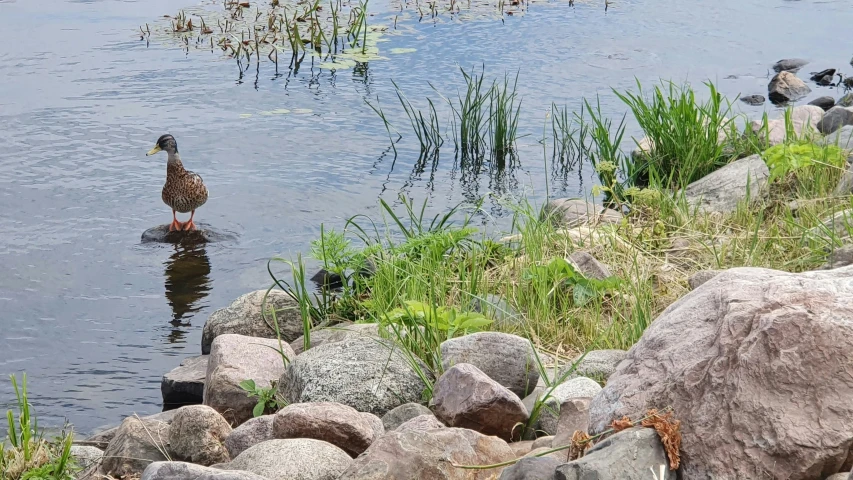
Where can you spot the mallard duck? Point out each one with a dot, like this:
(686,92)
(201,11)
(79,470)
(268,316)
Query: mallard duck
(184,190)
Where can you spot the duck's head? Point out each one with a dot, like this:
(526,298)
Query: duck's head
(165,143)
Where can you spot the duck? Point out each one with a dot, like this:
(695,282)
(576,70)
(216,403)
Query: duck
(184,190)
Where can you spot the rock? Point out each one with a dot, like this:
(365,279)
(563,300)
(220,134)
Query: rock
(743,360)
(606,460)
(846,100)
(588,265)
(785,87)
(644,147)
(105,435)
(137,443)
(507,359)
(532,468)
(293,459)
(197,434)
(542,442)
(326,279)
(839,476)
(466,397)
(203,233)
(596,364)
(521,448)
(701,277)
(753,100)
(721,190)
(541,452)
(530,401)
(495,307)
(573,212)
(244,317)
(416,454)
(845,183)
(366,374)
(823,102)
(574,415)
(580,387)
(338,424)
(838,258)
(834,119)
(181,471)
(86,456)
(233,359)
(789,65)
(421,422)
(804,120)
(842,138)
(336,333)
(375,423)
(252,432)
(839,225)
(402,414)
(184,385)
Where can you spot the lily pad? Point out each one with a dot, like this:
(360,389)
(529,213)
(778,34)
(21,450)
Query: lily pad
(398,51)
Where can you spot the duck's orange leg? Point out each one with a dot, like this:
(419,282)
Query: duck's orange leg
(189,225)
(175,225)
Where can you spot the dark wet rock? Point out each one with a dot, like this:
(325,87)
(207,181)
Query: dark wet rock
(233,359)
(507,359)
(823,102)
(819,76)
(244,317)
(846,100)
(136,444)
(785,87)
(184,385)
(421,422)
(182,471)
(573,212)
(204,233)
(754,100)
(293,459)
(418,454)
(701,277)
(197,434)
(606,460)
(576,388)
(330,280)
(588,265)
(337,333)
(532,468)
(574,415)
(721,190)
(368,374)
(402,414)
(835,118)
(596,364)
(843,138)
(466,397)
(252,432)
(86,456)
(789,65)
(340,425)
(498,309)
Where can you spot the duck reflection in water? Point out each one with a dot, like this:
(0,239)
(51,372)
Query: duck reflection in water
(187,280)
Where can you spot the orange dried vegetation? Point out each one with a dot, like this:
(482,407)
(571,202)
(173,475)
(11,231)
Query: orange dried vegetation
(669,431)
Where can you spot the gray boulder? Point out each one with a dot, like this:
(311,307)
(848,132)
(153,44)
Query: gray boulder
(840,224)
(701,277)
(86,456)
(576,388)
(244,317)
(421,422)
(835,118)
(252,432)
(804,120)
(498,309)
(843,138)
(785,87)
(823,102)
(846,100)
(588,265)
(631,454)
(402,414)
(573,212)
(197,434)
(596,364)
(335,423)
(721,190)
(574,416)
(466,397)
(184,385)
(789,65)
(293,459)
(840,257)
(720,355)
(103,436)
(136,444)
(336,334)
(507,359)
(753,100)
(845,183)
(233,359)
(532,468)
(418,454)
(182,471)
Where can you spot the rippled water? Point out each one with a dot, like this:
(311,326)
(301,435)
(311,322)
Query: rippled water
(95,317)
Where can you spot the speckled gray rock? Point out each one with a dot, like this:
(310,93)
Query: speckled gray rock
(596,364)
(233,359)
(701,277)
(508,359)
(580,387)
(789,65)
(184,385)
(823,102)
(243,317)
(197,434)
(721,190)
(835,118)
(335,423)
(532,468)
(186,471)
(843,138)
(588,265)
(786,87)
(336,334)
(293,459)
(421,422)
(86,455)
(498,309)
(573,212)
(367,374)
(252,432)
(402,414)
(136,444)
(606,460)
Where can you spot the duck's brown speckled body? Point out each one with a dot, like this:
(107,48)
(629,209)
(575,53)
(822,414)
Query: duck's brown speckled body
(184,191)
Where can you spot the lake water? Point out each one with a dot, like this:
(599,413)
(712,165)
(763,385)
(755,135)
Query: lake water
(95,317)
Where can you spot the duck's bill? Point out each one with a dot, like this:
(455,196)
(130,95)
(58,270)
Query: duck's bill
(153,150)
